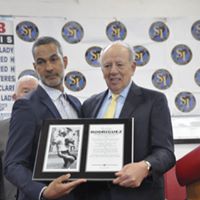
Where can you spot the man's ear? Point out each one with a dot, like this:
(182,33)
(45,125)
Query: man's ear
(133,66)
(65,61)
(14,97)
(34,65)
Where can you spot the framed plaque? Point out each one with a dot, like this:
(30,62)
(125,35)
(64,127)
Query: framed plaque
(86,148)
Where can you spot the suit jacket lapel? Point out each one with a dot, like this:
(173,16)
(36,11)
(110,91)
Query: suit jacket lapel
(132,101)
(74,105)
(98,102)
(46,100)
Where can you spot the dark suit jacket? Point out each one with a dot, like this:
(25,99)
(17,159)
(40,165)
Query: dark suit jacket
(153,141)
(27,116)
(7,190)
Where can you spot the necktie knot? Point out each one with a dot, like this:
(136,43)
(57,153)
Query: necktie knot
(64,96)
(115,97)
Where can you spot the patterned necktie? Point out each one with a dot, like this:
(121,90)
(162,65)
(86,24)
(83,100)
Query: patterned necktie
(110,113)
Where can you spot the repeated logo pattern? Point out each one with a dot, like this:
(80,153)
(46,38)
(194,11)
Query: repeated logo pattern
(142,55)
(159,32)
(30,72)
(72,32)
(196,30)
(27,31)
(75,81)
(185,101)
(92,56)
(116,31)
(197,77)
(162,79)
(181,54)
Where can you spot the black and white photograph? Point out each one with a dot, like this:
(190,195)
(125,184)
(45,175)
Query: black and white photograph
(63,148)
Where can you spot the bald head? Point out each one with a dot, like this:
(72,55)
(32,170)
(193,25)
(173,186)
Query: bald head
(24,85)
(121,44)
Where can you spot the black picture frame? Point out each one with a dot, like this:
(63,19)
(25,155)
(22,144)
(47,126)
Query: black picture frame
(49,164)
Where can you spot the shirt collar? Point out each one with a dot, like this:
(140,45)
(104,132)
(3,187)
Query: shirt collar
(53,93)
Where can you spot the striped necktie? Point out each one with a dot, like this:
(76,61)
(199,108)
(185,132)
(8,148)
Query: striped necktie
(110,113)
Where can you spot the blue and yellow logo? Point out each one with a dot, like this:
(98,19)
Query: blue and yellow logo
(159,31)
(197,77)
(196,30)
(92,56)
(116,31)
(72,32)
(75,81)
(162,79)
(27,31)
(28,72)
(142,55)
(185,101)
(181,54)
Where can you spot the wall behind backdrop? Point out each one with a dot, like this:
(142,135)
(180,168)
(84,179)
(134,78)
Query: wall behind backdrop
(167,46)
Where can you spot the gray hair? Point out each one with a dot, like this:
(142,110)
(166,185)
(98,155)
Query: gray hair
(46,40)
(24,79)
(132,53)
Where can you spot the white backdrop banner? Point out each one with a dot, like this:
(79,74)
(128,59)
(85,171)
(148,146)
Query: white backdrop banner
(7,66)
(167,55)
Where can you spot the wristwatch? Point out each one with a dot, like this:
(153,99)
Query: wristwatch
(148,165)
(41,197)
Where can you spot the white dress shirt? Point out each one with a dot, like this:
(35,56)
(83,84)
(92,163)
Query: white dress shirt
(63,106)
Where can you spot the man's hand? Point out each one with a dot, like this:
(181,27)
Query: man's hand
(60,187)
(131,175)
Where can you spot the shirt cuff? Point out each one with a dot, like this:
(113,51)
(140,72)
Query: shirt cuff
(40,195)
